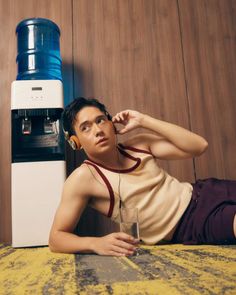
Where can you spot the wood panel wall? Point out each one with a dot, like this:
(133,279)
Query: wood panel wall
(172,59)
(209,45)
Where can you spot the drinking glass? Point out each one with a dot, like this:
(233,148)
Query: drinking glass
(129,222)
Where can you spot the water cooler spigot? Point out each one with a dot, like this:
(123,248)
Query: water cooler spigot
(26,125)
(50,125)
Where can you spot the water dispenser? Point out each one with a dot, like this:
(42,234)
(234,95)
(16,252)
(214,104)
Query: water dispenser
(38,157)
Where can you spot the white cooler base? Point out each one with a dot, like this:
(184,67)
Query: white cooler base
(36,192)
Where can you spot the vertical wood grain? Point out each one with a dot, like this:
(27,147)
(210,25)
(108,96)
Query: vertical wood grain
(209,43)
(11,13)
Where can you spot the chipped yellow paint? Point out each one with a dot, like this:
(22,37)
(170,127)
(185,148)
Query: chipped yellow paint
(196,264)
(95,289)
(133,288)
(130,263)
(36,271)
(164,269)
(145,287)
(210,261)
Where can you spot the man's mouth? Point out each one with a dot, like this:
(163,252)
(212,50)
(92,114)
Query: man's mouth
(102,140)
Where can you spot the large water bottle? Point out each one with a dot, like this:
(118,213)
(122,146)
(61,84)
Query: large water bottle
(38,44)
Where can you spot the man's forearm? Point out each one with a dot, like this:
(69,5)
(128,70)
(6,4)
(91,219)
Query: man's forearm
(115,244)
(180,137)
(65,242)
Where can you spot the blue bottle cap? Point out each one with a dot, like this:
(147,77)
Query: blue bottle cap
(37,21)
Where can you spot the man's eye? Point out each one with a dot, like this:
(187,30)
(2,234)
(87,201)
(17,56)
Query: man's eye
(101,120)
(85,128)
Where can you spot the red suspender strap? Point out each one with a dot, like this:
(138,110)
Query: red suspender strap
(108,185)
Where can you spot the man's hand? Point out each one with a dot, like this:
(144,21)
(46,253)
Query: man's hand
(115,244)
(129,119)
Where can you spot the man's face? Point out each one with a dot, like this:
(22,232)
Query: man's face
(95,132)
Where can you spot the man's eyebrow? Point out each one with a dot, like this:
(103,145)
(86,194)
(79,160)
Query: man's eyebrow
(101,116)
(83,123)
(88,122)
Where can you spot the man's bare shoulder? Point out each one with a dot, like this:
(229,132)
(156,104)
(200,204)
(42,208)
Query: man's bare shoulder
(77,182)
(79,173)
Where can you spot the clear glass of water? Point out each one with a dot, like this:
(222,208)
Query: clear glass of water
(129,222)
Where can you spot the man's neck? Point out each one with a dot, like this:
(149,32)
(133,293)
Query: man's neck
(113,160)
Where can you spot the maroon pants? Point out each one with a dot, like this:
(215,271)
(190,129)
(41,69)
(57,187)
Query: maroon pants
(210,214)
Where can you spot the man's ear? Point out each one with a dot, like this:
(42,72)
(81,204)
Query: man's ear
(74,142)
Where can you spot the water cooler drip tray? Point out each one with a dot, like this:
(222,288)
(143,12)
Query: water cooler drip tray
(39,141)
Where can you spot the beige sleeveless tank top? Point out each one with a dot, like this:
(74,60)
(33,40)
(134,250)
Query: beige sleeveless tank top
(160,198)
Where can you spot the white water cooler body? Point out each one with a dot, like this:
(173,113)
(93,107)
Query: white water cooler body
(38,169)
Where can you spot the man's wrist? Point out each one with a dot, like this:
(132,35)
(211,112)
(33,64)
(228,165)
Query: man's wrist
(144,120)
(92,244)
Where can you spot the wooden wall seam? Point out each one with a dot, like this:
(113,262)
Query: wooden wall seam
(186,82)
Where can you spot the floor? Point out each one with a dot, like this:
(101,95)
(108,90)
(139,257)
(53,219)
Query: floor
(165,269)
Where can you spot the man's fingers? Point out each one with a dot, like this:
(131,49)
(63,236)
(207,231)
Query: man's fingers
(122,251)
(125,245)
(117,254)
(124,237)
(120,117)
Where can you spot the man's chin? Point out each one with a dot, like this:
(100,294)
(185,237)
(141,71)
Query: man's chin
(98,151)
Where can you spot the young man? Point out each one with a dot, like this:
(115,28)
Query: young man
(127,174)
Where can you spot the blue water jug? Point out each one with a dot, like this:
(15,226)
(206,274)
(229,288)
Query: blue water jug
(38,54)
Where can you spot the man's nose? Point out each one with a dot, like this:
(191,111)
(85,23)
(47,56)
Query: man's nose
(97,130)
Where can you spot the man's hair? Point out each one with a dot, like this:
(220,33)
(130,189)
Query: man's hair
(72,109)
